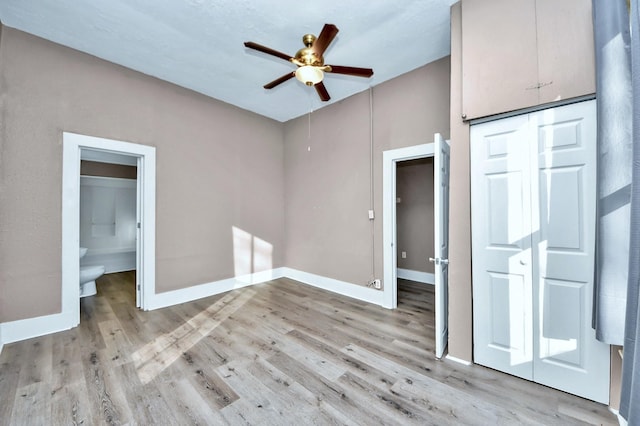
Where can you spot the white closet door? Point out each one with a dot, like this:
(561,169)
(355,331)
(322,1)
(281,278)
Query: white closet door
(533,224)
(567,354)
(501,249)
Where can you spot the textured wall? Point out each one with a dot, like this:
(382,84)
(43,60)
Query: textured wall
(327,171)
(414,214)
(460,293)
(234,161)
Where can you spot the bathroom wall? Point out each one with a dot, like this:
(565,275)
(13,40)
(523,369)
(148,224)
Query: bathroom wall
(108,222)
(96,168)
(414,214)
(219,168)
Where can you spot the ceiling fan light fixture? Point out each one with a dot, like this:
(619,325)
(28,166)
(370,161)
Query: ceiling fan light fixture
(309,75)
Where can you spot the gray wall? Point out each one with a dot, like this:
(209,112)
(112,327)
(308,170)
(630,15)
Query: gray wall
(414,214)
(328,187)
(234,160)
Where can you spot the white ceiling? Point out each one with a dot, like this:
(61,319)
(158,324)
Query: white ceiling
(198,44)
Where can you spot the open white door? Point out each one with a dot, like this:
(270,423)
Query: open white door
(441,240)
(139,237)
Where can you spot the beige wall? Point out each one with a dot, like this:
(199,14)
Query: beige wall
(327,174)
(414,214)
(95,168)
(234,159)
(460,291)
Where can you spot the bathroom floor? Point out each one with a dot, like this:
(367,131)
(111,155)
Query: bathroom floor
(275,353)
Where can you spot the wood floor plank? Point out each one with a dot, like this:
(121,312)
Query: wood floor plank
(281,353)
(187,404)
(9,378)
(108,403)
(31,404)
(332,393)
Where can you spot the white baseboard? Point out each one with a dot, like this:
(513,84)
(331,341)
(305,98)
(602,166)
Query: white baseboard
(343,288)
(458,360)
(417,276)
(33,327)
(175,297)
(621,420)
(14,331)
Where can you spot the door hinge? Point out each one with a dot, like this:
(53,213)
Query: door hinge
(138,225)
(138,287)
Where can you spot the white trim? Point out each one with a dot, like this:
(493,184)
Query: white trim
(417,276)
(389,234)
(458,360)
(621,420)
(343,288)
(72,148)
(14,331)
(183,295)
(39,326)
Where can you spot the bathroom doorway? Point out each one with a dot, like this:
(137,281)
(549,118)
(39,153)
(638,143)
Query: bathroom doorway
(108,218)
(80,147)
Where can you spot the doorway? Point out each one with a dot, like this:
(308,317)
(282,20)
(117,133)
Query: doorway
(439,150)
(109,217)
(75,148)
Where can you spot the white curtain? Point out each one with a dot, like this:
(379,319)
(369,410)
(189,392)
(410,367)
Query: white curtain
(614,103)
(630,395)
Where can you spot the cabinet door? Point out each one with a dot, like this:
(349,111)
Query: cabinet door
(567,354)
(501,249)
(566,52)
(499,56)
(522,53)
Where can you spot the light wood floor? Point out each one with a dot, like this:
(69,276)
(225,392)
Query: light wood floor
(277,353)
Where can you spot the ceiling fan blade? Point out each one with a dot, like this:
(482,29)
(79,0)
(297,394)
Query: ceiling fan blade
(267,50)
(354,71)
(322,91)
(328,33)
(280,80)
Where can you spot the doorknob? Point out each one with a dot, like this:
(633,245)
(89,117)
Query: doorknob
(444,261)
(434,260)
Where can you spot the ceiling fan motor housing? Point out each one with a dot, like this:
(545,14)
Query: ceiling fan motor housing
(307,55)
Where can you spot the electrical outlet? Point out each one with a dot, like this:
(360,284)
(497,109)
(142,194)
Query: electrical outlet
(404,254)
(375,284)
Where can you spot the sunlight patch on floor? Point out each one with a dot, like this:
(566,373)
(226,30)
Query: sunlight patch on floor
(154,357)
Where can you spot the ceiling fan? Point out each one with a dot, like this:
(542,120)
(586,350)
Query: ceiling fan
(311,66)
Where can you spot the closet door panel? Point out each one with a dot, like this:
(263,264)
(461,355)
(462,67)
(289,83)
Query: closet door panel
(533,180)
(501,223)
(567,355)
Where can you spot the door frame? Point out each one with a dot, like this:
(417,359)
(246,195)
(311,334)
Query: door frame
(389,233)
(73,144)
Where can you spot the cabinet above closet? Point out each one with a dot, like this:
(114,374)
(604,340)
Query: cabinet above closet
(522,53)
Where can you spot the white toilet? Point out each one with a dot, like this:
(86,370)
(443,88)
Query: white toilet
(88,276)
